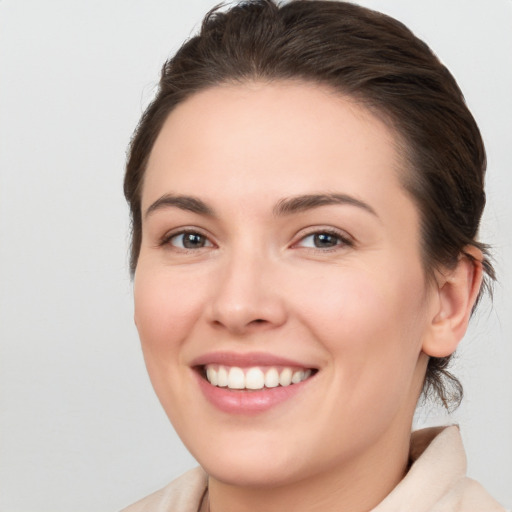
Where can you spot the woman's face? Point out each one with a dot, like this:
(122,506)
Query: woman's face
(278,244)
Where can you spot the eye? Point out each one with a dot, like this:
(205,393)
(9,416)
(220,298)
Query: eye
(189,240)
(324,240)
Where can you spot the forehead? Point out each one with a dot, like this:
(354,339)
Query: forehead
(274,139)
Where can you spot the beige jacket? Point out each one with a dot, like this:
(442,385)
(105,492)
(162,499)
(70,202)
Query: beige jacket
(436,482)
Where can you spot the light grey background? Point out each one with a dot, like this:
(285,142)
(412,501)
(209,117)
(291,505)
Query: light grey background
(80,427)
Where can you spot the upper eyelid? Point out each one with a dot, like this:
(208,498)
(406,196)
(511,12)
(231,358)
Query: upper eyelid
(305,232)
(168,235)
(345,242)
(300,235)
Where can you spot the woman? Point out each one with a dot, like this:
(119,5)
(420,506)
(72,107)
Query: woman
(305,192)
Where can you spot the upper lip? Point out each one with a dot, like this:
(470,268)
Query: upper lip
(246,360)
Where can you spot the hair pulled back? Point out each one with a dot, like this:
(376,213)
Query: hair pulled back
(375,60)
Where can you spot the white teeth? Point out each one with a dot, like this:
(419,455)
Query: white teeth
(222,377)
(254,378)
(236,378)
(272,378)
(285,379)
(297,376)
(212,376)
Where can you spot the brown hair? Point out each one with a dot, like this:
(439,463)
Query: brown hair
(370,57)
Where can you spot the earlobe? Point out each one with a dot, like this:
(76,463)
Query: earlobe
(457,291)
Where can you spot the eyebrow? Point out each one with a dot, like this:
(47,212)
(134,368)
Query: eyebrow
(302,203)
(187,203)
(284,207)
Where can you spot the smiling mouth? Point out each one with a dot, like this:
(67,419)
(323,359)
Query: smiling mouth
(254,378)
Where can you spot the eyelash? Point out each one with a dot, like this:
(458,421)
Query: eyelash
(343,241)
(166,240)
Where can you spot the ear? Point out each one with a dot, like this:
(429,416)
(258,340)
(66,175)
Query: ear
(456,292)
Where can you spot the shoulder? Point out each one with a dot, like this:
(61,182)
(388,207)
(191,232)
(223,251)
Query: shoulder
(182,495)
(437,481)
(467,495)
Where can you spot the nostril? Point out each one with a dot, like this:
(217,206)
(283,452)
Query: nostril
(257,322)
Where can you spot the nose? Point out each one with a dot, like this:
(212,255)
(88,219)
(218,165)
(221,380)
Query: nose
(247,296)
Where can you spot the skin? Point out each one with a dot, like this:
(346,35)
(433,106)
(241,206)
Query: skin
(361,312)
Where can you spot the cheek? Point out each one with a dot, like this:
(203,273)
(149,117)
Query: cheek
(371,323)
(167,307)
(370,328)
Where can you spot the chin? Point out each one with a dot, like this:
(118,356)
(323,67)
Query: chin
(260,473)
(250,462)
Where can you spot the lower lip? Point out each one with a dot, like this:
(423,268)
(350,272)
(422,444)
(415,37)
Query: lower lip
(248,402)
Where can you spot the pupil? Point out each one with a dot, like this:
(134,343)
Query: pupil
(193,240)
(325,240)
